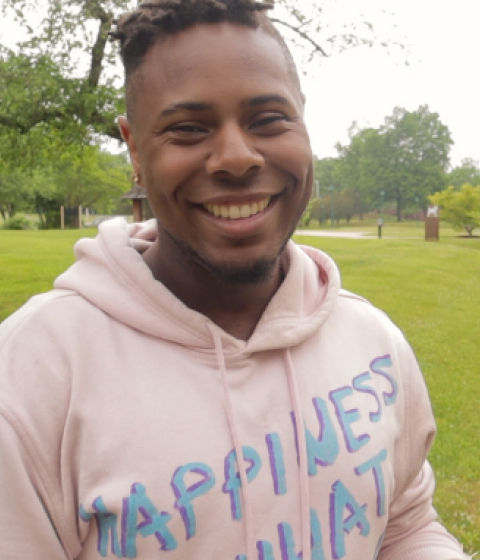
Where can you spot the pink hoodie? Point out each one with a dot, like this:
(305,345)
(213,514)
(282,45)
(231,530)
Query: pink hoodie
(123,412)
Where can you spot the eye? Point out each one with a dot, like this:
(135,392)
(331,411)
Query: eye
(187,128)
(185,133)
(267,120)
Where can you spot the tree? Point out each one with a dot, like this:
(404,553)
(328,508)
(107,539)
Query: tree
(66,75)
(39,172)
(333,173)
(461,208)
(417,149)
(91,177)
(405,158)
(359,167)
(12,195)
(467,172)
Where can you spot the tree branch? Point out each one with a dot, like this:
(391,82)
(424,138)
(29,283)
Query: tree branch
(302,34)
(35,118)
(106,126)
(98,49)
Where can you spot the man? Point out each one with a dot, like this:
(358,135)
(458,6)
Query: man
(199,387)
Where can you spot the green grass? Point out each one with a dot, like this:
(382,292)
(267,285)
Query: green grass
(431,290)
(30,261)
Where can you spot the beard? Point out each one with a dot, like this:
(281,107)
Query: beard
(252,272)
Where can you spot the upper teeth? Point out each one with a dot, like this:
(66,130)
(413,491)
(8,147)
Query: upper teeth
(236,212)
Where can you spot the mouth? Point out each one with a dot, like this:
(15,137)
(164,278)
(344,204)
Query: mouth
(237,211)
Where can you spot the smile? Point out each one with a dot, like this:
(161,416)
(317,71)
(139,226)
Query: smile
(237,211)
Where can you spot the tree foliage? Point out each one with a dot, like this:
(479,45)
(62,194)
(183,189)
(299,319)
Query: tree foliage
(67,75)
(91,177)
(468,172)
(79,175)
(460,208)
(405,159)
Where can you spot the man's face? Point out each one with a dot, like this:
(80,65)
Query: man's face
(219,140)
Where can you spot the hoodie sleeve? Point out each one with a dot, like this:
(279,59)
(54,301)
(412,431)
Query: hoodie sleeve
(26,521)
(33,399)
(413,532)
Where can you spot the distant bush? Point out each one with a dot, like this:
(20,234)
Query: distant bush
(17,222)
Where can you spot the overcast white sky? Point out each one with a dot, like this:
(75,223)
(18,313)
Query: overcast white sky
(365,84)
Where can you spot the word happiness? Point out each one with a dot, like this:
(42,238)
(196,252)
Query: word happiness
(121,538)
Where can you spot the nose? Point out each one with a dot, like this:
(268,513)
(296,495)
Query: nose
(233,153)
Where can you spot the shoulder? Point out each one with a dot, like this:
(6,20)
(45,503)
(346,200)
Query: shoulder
(358,309)
(43,315)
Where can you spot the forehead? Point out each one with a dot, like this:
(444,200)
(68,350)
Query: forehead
(207,58)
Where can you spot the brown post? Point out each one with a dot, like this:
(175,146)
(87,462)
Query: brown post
(136,195)
(80,217)
(432,224)
(62,217)
(432,227)
(137,210)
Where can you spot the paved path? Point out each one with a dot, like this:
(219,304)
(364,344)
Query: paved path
(345,234)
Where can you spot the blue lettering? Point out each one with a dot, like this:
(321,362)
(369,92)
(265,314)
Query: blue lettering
(375,465)
(341,500)
(233,482)
(384,362)
(360,385)
(106,526)
(185,495)
(317,540)
(346,418)
(277,463)
(323,450)
(154,523)
(265,550)
(287,541)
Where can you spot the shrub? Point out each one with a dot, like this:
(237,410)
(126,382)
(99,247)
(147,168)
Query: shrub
(17,222)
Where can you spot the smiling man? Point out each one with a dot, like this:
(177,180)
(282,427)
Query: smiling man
(226,163)
(198,386)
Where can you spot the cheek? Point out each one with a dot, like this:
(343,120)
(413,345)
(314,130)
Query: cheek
(310,177)
(168,169)
(295,156)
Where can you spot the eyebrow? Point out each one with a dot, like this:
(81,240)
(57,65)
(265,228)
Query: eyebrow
(185,106)
(268,98)
(198,106)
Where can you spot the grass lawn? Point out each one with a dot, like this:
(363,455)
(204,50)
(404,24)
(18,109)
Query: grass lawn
(31,260)
(431,290)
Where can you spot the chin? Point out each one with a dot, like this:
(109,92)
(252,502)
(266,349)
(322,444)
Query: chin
(253,273)
(246,271)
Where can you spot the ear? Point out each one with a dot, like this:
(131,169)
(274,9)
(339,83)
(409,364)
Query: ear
(127,135)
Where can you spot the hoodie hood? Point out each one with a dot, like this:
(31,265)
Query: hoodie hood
(111,274)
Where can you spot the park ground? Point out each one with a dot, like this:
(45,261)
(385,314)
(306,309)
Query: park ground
(430,289)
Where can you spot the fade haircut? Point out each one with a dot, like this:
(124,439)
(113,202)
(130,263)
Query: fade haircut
(139,30)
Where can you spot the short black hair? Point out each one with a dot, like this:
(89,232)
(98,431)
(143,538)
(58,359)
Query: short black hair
(139,30)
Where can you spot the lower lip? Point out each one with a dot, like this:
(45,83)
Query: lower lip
(243,227)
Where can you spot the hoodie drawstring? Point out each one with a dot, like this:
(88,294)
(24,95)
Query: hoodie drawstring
(302,454)
(302,450)
(250,541)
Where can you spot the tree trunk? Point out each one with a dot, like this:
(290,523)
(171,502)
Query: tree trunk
(399,208)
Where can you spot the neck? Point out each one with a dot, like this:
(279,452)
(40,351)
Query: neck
(236,308)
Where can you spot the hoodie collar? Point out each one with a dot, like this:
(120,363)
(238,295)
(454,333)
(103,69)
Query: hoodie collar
(111,274)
